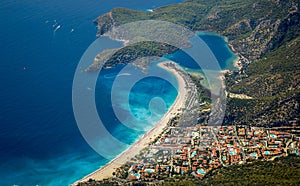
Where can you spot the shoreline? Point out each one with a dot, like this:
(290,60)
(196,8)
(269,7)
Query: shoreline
(237,62)
(133,150)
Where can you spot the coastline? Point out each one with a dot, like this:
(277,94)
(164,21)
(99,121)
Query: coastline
(107,170)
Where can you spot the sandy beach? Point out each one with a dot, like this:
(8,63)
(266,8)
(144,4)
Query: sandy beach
(107,170)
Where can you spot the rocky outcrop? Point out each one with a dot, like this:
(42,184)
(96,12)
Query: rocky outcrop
(104,23)
(269,34)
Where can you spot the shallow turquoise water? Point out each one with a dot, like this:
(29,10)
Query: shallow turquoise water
(39,139)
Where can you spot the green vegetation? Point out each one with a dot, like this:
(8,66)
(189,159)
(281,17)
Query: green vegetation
(282,171)
(204,94)
(131,53)
(279,69)
(254,27)
(124,15)
(265,32)
(273,82)
(139,50)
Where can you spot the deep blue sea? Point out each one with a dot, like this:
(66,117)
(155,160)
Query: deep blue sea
(40,143)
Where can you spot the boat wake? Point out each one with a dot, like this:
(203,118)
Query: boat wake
(58,27)
(124,74)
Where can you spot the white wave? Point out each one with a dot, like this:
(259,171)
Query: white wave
(149,10)
(124,74)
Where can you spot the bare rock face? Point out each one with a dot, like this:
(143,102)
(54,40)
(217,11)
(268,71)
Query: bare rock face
(258,42)
(267,35)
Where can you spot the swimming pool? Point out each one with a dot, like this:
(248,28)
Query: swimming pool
(267,152)
(201,171)
(149,170)
(273,136)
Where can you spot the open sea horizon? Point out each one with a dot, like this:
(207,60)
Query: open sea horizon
(41,45)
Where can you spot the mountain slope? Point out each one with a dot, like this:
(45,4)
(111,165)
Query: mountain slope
(266,32)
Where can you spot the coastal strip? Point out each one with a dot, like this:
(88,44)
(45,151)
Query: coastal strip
(107,170)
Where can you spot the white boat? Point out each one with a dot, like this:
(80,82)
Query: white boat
(58,27)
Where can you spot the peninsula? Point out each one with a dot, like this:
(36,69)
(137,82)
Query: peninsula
(264,35)
(262,116)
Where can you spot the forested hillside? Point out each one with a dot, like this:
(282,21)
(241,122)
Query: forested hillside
(266,32)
